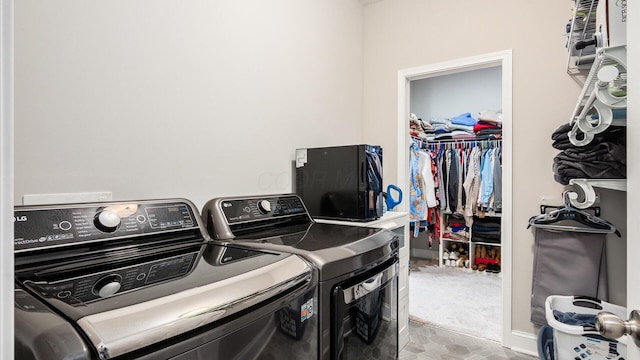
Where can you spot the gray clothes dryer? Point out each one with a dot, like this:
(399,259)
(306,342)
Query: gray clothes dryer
(356,268)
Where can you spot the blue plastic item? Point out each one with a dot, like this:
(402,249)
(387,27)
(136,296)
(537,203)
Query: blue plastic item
(545,343)
(390,201)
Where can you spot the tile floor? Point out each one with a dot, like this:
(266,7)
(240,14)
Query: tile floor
(430,343)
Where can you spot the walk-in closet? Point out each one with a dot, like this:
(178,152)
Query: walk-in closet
(455,177)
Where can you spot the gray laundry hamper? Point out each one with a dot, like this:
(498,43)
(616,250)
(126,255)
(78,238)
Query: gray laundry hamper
(576,342)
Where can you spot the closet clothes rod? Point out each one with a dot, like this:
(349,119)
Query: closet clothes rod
(466,141)
(471,139)
(460,143)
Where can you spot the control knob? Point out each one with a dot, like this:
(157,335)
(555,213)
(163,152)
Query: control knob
(107,285)
(264,206)
(107,221)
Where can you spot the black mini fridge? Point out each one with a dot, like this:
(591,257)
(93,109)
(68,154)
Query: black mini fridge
(341,182)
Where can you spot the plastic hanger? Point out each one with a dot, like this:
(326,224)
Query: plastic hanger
(565,219)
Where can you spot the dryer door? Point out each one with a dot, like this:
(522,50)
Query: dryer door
(365,320)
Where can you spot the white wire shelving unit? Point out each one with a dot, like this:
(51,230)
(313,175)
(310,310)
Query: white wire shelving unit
(582,28)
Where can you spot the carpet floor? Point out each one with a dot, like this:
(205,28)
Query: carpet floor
(465,301)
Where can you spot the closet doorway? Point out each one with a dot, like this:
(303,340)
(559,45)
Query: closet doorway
(409,84)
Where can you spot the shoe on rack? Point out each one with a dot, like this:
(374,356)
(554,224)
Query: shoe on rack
(482,253)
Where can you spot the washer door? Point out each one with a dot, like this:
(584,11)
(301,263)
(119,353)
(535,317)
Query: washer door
(287,328)
(276,335)
(365,322)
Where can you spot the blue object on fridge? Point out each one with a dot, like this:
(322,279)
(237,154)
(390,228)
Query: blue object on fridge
(390,201)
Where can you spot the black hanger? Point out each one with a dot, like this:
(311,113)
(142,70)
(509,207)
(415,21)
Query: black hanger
(560,220)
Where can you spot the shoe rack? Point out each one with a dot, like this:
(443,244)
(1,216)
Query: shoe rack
(487,244)
(454,242)
(460,248)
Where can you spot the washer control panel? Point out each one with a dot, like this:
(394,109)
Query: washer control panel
(258,209)
(100,285)
(39,227)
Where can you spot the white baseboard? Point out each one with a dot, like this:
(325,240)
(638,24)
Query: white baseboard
(523,342)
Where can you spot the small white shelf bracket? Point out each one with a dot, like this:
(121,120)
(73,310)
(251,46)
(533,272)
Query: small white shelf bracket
(589,194)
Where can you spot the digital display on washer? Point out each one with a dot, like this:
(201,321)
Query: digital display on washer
(169,216)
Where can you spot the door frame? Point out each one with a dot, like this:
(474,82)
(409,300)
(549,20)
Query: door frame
(633,167)
(6,180)
(501,59)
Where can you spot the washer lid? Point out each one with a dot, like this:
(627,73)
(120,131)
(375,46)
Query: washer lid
(335,249)
(129,305)
(282,223)
(125,329)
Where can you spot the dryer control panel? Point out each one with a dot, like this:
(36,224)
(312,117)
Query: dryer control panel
(228,217)
(38,227)
(256,209)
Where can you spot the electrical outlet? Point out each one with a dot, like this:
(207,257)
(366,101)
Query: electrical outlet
(551,200)
(65,198)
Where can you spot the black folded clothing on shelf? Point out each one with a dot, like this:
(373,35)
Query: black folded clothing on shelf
(613,134)
(483,239)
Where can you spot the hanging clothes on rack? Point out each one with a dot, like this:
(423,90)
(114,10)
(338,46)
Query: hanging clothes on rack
(463,165)
(440,160)
(417,202)
(454,179)
(442,154)
(497,180)
(426,170)
(433,216)
(486,180)
(423,194)
(449,177)
(469,176)
(472,184)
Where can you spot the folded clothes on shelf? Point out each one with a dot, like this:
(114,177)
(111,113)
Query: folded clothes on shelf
(613,134)
(602,158)
(602,161)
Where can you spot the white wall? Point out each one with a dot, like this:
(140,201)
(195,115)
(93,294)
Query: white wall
(450,95)
(211,97)
(196,99)
(402,34)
